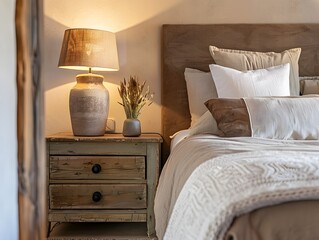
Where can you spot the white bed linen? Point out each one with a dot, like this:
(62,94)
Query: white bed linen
(178,137)
(194,151)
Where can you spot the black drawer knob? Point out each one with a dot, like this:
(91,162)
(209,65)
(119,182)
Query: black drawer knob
(96,197)
(96,168)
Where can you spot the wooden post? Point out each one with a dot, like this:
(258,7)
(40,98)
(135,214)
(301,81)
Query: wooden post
(31,148)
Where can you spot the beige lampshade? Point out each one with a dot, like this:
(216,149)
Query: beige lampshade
(84,49)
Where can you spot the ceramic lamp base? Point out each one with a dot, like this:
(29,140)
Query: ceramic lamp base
(89,105)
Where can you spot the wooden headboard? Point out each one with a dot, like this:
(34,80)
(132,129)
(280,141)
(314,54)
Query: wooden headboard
(187,46)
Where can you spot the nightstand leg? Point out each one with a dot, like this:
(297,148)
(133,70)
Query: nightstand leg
(153,153)
(49,229)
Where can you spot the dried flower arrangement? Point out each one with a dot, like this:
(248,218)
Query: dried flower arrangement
(134,96)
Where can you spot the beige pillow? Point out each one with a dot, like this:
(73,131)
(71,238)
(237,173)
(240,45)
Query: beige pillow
(309,85)
(249,60)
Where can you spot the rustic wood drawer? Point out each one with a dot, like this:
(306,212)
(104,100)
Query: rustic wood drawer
(98,148)
(97,196)
(107,178)
(97,167)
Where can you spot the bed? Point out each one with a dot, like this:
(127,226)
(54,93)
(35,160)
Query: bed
(189,202)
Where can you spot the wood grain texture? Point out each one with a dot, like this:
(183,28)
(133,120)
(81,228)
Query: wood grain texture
(96,148)
(100,231)
(97,215)
(113,196)
(127,186)
(187,46)
(111,167)
(114,137)
(153,166)
(31,148)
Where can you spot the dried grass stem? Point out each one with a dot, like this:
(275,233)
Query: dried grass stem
(134,96)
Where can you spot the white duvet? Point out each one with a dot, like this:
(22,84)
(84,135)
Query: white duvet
(207,181)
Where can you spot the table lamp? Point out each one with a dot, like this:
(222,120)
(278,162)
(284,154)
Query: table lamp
(90,50)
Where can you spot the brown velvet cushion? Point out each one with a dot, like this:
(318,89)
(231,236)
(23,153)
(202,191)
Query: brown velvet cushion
(231,116)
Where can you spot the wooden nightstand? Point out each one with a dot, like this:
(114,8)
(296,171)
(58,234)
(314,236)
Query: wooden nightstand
(103,179)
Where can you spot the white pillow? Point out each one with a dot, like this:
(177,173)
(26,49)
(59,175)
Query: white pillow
(205,124)
(200,88)
(231,83)
(251,60)
(284,118)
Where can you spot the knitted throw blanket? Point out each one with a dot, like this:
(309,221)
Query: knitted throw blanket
(230,185)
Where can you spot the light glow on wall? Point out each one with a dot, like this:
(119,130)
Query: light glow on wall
(107,15)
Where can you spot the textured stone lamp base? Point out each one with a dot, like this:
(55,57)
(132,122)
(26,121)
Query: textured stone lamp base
(89,105)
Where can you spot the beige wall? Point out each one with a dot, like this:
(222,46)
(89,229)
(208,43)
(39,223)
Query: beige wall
(8,124)
(137,24)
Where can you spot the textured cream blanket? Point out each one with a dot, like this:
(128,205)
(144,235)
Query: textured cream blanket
(234,176)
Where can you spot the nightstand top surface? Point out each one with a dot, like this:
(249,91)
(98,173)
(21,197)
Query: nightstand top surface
(113,137)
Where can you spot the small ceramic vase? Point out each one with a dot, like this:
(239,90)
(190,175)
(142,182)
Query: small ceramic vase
(132,127)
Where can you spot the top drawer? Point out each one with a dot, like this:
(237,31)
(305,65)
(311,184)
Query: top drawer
(100,148)
(97,167)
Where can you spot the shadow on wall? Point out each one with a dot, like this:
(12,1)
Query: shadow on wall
(139,45)
(53,36)
(139,55)
(138,49)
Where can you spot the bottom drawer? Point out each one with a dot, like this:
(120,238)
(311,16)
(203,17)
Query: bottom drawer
(97,196)
(97,215)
